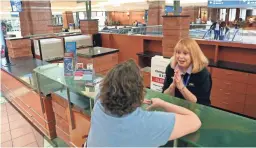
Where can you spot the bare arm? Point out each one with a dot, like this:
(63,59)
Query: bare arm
(186,121)
(170,90)
(187,94)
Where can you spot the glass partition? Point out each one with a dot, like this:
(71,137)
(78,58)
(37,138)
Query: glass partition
(50,79)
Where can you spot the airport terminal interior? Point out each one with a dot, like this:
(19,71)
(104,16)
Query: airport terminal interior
(55,55)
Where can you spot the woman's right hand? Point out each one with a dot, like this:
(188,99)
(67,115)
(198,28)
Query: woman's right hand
(154,103)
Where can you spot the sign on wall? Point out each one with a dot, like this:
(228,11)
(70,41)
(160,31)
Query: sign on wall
(16,5)
(232,3)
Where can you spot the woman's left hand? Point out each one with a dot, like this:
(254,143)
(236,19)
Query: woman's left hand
(178,79)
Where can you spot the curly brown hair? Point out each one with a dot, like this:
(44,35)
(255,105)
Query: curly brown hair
(122,89)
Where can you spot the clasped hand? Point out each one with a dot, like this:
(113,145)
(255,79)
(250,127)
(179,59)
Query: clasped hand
(177,80)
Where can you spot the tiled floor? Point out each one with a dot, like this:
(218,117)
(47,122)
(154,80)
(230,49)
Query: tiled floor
(17,131)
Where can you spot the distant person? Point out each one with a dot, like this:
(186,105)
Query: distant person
(2,36)
(216,30)
(240,23)
(119,121)
(136,23)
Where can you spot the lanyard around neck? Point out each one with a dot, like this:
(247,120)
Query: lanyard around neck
(187,80)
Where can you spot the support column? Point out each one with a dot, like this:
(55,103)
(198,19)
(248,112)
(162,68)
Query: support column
(89,26)
(155,12)
(67,18)
(175,27)
(35,17)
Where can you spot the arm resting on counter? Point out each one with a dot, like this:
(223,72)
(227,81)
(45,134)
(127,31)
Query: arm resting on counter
(186,121)
(188,95)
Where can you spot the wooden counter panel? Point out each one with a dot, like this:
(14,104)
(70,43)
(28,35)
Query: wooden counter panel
(208,50)
(105,59)
(252,79)
(251,90)
(9,81)
(229,75)
(57,99)
(128,45)
(62,135)
(239,55)
(251,100)
(146,79)
(32,99)
(250,106)
(250,110)
(105,38)
(227,85)
(82,126)
(231,106)
(226,44)
(153,45)
(61,123)
(59,110)
(227,96)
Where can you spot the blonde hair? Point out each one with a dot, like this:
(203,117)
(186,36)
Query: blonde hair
(199,61)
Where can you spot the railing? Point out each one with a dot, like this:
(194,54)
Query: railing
(142,30)
(198,31)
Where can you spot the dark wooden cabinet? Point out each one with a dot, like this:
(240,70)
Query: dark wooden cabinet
(234,91)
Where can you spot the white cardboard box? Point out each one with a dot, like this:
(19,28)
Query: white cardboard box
(158,67)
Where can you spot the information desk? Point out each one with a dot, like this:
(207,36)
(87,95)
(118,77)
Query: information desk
(219,128)
(69,103)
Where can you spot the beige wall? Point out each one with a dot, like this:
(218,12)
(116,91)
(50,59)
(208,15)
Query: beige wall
(5,7)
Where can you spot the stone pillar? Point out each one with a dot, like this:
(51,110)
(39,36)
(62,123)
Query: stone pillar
(175,27)
(67,18)
(89,26)
(155,12)
(35,17)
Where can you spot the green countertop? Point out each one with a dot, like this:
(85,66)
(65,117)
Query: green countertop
(92,52)
(219,128)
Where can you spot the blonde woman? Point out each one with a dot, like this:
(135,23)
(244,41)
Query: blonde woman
(187,76)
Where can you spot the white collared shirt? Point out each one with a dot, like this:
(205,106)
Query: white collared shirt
(189,70)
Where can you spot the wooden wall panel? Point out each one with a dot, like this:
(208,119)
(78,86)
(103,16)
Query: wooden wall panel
(127,19)
(239,55)
(155,46)
(208,50)
(129,46)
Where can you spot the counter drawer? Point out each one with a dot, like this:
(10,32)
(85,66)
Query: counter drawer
(59,110)
(251,79)
(228,96)
(62,124)
(229,75)
(231,106)
(227,85)
(62,102)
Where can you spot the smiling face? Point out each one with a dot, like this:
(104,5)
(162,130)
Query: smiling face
(183,58)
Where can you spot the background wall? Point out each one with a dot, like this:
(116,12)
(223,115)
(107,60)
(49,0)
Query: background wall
(126,18)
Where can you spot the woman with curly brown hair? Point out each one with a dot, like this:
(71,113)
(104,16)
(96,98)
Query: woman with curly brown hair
(119,121)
